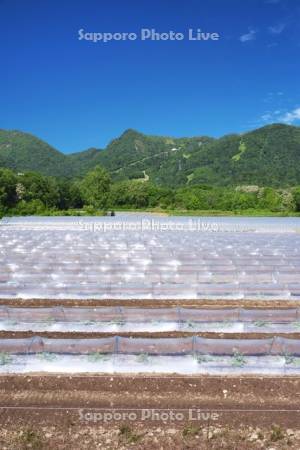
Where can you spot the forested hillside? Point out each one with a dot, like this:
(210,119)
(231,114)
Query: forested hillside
(269,156)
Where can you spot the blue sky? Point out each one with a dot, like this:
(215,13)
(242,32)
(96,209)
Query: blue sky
(77,94)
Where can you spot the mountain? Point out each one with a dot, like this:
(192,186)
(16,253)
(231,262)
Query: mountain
(268,156)
(22,151)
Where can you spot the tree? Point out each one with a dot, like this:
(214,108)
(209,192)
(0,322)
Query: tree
(8,183)
(296,196)
(39,187)
(95,186)
(75,196)
(69,194)
(132,194)
(270,199)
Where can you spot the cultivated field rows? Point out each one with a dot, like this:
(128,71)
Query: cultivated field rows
(81,264)
(56,259)
(134,355)
(134,320)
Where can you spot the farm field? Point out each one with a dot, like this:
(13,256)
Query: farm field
(162,313)
(52,267)
(136,257)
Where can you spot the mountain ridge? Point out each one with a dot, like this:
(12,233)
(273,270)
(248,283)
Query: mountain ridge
(269,155)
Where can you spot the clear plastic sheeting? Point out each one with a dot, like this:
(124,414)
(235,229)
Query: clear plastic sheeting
(66,258)
(178,346)
(127,319)
(80,346)
(152,220)
(230,346)
(129,355)
(289,347)
(151,346)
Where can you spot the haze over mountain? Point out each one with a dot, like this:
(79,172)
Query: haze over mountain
(268,156)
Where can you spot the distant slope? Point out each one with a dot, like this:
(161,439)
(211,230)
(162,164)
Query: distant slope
(22,151)
(267,156)
(82,162)
(133,152)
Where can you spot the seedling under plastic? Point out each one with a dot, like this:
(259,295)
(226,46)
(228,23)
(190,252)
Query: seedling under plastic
(238,359)
(260,323)
(142,358)
(5,358)
(289,358)
(47,356)
(98,357)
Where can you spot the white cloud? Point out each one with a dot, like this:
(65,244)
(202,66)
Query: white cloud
(266,117)
(280,109)
(248,36)
(277,29)
(291,116)
(271,116)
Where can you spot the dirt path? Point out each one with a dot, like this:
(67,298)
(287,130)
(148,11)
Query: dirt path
(164,334)
(150,303)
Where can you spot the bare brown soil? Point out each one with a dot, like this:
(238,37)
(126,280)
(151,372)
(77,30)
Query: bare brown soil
(145,437)
(63,412)
(163,334)
(218,303)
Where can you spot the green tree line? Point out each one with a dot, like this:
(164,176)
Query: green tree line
(32,193)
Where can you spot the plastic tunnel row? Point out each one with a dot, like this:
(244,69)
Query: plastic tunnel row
(146,315)
(173,347)
(160,292)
